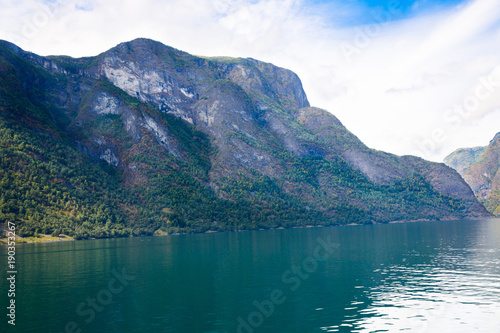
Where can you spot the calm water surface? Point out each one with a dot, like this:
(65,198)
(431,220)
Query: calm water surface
(415,277)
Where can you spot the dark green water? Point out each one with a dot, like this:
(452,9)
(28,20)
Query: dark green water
(415,277)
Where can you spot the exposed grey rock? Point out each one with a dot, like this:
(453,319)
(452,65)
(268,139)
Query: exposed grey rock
(479,167)
(119,107)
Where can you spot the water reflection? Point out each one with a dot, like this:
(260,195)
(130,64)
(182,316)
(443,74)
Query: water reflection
(445,290)
(417,277)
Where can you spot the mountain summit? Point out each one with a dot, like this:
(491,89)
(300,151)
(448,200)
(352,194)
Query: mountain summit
(145,138)
(479,167)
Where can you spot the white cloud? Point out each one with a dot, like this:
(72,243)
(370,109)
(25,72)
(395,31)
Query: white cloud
(393,91)
(418,69)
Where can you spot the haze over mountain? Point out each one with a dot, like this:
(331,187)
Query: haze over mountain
(479,167)
(146,138)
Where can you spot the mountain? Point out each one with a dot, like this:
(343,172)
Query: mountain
(462,158)
(479,168)
(145,138)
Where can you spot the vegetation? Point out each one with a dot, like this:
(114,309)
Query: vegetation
(480,166)
(53,180)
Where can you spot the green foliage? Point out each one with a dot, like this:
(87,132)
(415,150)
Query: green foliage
(74,65)
(49,184)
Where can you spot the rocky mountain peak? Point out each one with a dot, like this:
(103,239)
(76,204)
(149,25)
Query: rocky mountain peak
(186,143)
(168,70)
(496,138)
(480,166)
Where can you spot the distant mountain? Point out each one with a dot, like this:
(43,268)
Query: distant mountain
(145,138)
(461,159)
(479,168)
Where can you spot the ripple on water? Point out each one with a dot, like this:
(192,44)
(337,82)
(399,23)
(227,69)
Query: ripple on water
(457,291)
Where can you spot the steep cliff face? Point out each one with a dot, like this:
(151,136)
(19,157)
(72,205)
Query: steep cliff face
(191,143)
(479,167)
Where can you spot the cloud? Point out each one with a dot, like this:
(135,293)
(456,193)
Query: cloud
(435,60)
(392,87)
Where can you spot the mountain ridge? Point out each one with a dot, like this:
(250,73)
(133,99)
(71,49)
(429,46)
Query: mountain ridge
(479,167)
(187,143)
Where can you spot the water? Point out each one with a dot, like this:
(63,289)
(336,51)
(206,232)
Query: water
(415,277)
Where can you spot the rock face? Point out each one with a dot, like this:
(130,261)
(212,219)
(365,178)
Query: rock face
(461,159)
(479,167)
(213,143)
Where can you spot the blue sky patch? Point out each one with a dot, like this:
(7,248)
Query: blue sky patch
(346,13)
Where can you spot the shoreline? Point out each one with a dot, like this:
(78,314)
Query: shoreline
(42,238)
(51,239)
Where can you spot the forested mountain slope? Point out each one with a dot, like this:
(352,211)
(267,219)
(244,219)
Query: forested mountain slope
(480,171)
(145,137)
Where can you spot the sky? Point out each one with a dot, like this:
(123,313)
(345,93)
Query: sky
(419,77)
